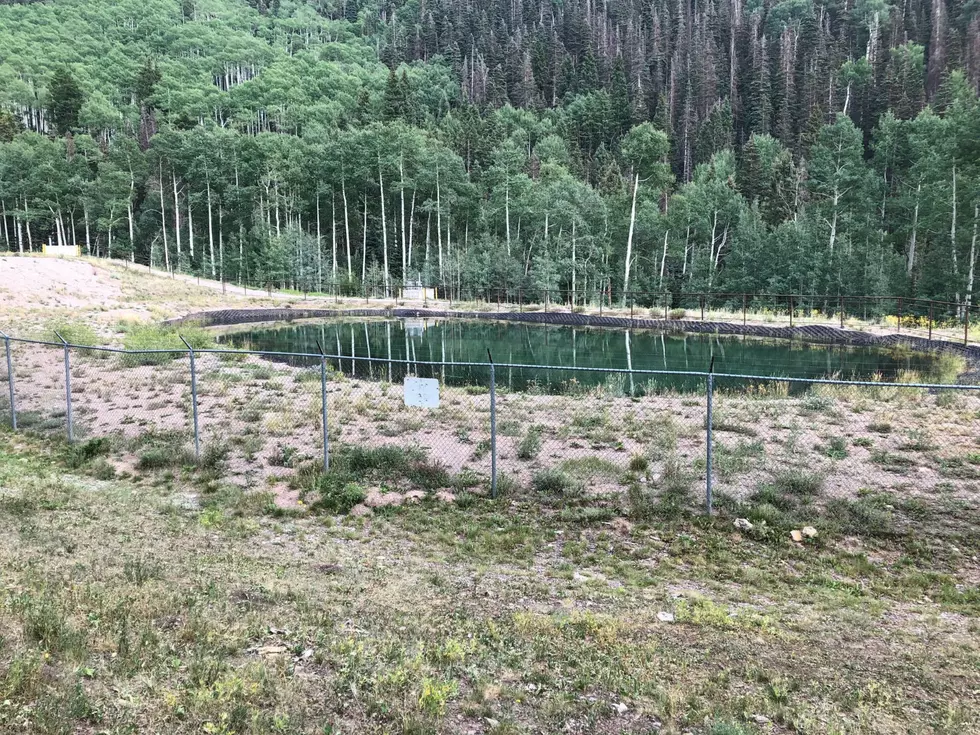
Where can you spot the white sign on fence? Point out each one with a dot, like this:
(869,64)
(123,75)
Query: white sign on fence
(422,392)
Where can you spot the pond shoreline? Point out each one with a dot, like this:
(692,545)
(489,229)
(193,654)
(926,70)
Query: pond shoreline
(818,334)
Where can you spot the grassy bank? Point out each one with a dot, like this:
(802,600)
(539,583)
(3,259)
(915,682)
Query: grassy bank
(170,601)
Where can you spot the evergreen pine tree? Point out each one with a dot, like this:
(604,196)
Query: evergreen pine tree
(66,100)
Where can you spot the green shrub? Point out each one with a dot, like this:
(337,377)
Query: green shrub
(638,463)
(678,313)
(46,625)
(82,453)
(337,494)
(75,333)
(554,482)
(797,481)
(156,337)
(163,450)
(530,445)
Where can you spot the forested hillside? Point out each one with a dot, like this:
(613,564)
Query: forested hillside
(803,146)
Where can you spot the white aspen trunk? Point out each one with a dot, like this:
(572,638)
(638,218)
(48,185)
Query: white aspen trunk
(428,240)
(573,263)
(384,229)
(3,217)
(132,244)
(333,235)
(915,230)
(847,98)
(278,218)
(88,233)
(364,245)
(27,227)
(74,237)
(714,237)
(973,255)
(211,228)
(163,222)
(952,239)
(177,218)
(439,222)
(404,238)
(663,261)
(221,244)
(411,229)
(343,190)
(190,226)
(319,243)
(109,233)
(721,246)
(507,213)
(629,238)
(833,225)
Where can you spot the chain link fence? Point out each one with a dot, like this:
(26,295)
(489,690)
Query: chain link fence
(332,421)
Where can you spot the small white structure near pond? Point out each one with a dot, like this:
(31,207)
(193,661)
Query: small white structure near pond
(62,251)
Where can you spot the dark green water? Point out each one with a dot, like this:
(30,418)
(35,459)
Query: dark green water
(456,341)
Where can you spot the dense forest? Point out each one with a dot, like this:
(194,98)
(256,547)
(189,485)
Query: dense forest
(806,146)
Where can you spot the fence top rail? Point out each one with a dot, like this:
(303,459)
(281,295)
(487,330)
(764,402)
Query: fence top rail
(519,366)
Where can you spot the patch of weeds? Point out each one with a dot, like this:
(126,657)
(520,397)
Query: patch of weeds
(587,515)
(46,624)
(591,468)
(863,441)
(836,448)
(338,495)
(729,461)
(891,462)
(465,480)
(797,481)
(947,399)
(703,612)
(880,427)
(918,441)
(435,694)
(140,571)
(351,467)
(76,333)
(507,485)
(867,516)
(481,449)
(282,456)
(668,497)
(162,450)
(720,422)
(955,468)
(727,728)
(554,481)
(80,454)
(213,456)
(102,469)
(816,404)
(529,446)
(157,337)
(638,463)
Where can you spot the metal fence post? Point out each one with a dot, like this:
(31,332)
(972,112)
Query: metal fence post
(197,435)
(707,483)
(323,400)
(68,416)
(10,382)
(493,427)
